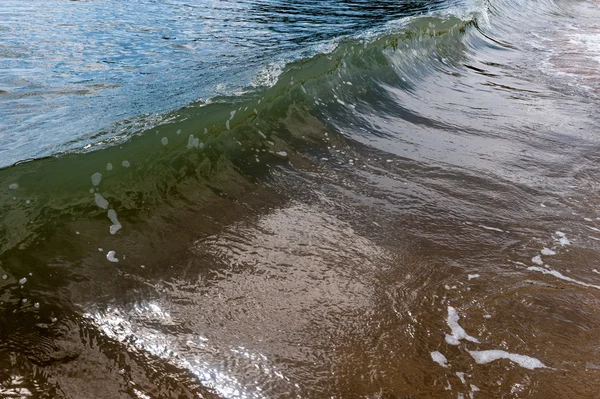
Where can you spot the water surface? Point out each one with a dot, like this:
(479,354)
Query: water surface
(405,206)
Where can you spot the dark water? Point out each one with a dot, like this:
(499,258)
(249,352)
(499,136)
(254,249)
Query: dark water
(300,199)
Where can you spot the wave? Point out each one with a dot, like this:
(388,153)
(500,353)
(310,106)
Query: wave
(349,92)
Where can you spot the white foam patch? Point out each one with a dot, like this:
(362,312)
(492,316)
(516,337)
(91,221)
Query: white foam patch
(461,375)
(140,394)
(262,134)
(595,271)
(164,141)
(111,257)
(282,153)
(491,228)
(472,276)
(268,76)
(116,226)
(13,186)
(537,260)
(96,177)
(483,357)
(125,164)
(561,276)
(193,142)
(562,238)
(548,252)
(458,332)
(109,166)
(227,124)
(439,358)
(101,201)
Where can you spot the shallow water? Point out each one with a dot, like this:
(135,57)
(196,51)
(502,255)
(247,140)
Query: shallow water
(409,211)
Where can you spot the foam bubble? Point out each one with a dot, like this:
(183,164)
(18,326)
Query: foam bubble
(109,166)
(562,238)
(472,276)
(101,201)
(458,332)
(178,131)
(164,141)
(96,177)
(23,280)
(13,186)
(548,252)
(282,153)
(116,226)
(483,357)
(111,257)
(193,142)
(491,228)
(125,164)
(561,276)
(439,358)
(537,260)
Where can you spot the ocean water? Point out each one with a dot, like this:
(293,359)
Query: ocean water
(316,199)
